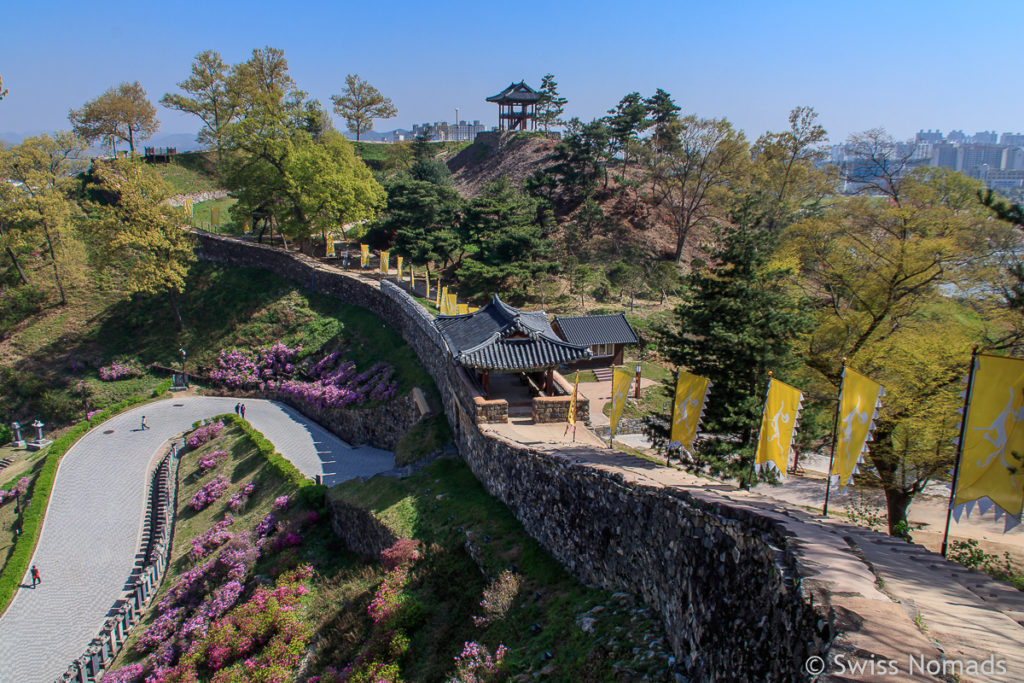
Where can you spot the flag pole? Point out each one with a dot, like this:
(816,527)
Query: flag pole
(575,404)
(753,462)
(835,430)
(960,447)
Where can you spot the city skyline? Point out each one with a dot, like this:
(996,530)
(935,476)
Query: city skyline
(873,65)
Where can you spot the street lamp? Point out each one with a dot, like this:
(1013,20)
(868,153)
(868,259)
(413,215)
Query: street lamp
(639,368)
(184,377)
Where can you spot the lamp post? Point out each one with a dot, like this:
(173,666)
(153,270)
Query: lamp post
(184,377)
(639,368)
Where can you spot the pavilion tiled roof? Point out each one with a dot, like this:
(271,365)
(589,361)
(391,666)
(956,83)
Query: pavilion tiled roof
(502,338)
(515,92)
(588,330)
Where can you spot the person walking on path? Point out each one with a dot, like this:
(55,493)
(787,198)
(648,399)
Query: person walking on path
(238,407)
(241,410)
(35,576)
(144,425)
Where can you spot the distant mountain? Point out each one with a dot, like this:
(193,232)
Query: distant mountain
(185,142)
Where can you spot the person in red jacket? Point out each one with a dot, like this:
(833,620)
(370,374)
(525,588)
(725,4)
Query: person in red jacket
(35,576)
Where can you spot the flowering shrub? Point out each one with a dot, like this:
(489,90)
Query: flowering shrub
(476,664)
(388,597)
(201,435)
(126,674)
(209,493)
(18,490)
(210,460)
(82,388)
(211,539)
(238,500)
(404,552)
(162,628)
(92,413)
(281,503)
(498,598)
(266,527)
(120,370)
(333,383)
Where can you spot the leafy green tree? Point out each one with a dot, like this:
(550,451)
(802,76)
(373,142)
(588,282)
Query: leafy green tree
(785,169)
(1014,215)
(140,236)
(120,113)
(262,80)
(738,323)
(887,281)
(360,103)
(42,205)
(208,95)
(420,221)
(692,176)
(550,105)
(628,276)
(504,229)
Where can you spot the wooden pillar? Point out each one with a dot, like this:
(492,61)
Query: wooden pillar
(550,382)
(486,377)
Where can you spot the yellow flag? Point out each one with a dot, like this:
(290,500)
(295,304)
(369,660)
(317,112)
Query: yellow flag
(859,400)
(442,295)
(330,246)
(385,261)
(571,415)
(621,381)
(412,278)
(364,255)
(471,309)
(989,468)
(398,265)
(189,210)
(453,303)
(687,409)
(215,215)
(778,423)
(463,309)
(246,227)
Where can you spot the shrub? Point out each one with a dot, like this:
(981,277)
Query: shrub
(121,370)
(404,552)
(210,460)
(201,435)
(476,664)
(209,493)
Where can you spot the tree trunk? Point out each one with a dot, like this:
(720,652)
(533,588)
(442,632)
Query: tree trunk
(131,141)
(177,311)
(896,502)
(14,259)
(56,272)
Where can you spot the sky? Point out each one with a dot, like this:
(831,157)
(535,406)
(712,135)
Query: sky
(902,64)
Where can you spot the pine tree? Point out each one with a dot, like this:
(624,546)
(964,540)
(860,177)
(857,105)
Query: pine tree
(737,324)
(550,106)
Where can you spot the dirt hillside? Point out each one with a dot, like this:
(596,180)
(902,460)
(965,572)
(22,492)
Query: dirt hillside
(495,155)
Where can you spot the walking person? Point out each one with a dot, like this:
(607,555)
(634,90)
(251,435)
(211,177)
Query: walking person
(35,576)
(237,408)
(144,425)
(241,410)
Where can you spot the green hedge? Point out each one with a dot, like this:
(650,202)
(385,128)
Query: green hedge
(309,490)
(32,518)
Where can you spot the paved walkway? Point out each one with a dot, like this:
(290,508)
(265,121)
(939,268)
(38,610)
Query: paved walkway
(93,524)
(966,614)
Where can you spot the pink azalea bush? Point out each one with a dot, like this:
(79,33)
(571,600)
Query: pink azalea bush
(403,553)
(211,539)
(19,490)
(330,383)
(210,460)
(120,370)
(209,493)
(281,503)
(238,500)
(201,435)
(476,663)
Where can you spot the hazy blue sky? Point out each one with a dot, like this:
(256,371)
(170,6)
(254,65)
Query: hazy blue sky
(899,64)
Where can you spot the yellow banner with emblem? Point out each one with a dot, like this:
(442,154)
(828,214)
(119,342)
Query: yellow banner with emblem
(329,249)
(621,381)
(385,261)
(991,465)
(189,207)
(859,401)
(687,409)
(364,255)
(571,415)
(398,266)
(778,424)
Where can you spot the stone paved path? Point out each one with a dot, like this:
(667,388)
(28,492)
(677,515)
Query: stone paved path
(93,524)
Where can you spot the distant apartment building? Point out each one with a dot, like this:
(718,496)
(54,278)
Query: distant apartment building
(442,131)
(1012,139)
(929,136)
(985,137)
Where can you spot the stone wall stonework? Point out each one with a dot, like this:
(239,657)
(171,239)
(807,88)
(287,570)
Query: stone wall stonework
(361,532)
(738,594)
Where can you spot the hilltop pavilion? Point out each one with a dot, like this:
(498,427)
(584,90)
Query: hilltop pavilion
(517,107)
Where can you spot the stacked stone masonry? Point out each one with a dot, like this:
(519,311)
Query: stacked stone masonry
(725,579)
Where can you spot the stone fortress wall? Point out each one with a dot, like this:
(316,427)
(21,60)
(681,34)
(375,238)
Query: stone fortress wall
(739,592)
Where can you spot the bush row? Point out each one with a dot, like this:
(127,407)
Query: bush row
(32,517)
(309,491)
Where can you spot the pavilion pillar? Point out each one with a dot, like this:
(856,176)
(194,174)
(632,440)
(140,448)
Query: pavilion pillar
(486,378)
(550,382)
